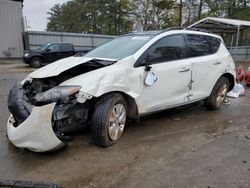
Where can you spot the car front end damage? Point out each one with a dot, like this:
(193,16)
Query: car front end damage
(44,111)
(40,120)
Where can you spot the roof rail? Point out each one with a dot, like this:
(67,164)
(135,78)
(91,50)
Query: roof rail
(157,32)
(197,29)
(170,29)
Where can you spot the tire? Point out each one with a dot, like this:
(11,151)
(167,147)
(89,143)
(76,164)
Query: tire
(36,62)
(218,94)
(108,120)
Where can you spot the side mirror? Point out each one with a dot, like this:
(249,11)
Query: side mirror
(148,62)
(148,67)
(150,79)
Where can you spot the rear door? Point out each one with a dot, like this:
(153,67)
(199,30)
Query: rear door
(206,65)
(67,50)
(172,70)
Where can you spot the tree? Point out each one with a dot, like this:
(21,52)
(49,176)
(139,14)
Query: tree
(238,9)
(55,19)
(153,14)
(192,11)
(116,17)
(91,16)
(180,12)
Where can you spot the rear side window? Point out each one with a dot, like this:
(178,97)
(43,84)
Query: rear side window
(197,45)
(66,47)
(167,49)
(214,43)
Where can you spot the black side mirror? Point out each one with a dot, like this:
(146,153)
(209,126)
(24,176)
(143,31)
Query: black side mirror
(148,67)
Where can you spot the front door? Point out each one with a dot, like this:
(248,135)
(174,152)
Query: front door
(52,53)
(172,72)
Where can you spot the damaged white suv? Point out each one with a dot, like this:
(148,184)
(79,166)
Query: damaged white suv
(128,77)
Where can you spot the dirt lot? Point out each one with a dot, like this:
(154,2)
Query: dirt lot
(185,147)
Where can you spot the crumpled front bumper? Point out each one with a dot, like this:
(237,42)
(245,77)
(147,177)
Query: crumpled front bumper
(36,132)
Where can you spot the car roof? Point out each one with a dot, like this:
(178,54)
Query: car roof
(154,33)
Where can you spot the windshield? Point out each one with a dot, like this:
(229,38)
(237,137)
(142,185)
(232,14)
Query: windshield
(120,47)
(43,46)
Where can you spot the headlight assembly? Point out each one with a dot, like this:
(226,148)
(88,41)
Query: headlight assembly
(26,54)
(63,93)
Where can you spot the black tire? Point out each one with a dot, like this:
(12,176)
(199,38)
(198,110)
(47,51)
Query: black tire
(218,94)
(101,124)
(36,62)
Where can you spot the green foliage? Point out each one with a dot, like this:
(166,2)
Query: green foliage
(91,16)
(116,17)
(241,13)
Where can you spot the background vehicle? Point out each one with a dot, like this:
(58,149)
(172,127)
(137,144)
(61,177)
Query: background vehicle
(49,53)
(128,77)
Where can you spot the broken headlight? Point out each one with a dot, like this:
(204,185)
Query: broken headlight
(63,93)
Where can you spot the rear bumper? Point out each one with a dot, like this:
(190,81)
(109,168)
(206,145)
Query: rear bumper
(36,132)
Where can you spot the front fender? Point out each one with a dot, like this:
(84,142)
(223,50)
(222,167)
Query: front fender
(108,79)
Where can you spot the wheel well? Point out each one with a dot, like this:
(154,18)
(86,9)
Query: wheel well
(132,109)
(231,79)
(36,57)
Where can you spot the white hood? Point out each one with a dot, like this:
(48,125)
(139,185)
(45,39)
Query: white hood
(59,66)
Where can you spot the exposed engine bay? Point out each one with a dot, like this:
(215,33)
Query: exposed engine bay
(35,86)
(68,115)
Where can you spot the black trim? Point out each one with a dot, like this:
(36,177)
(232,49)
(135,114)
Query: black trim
(16,104)
(205,36)
(211,44)
(138,61)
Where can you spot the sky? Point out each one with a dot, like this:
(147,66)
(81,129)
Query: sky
(35,12)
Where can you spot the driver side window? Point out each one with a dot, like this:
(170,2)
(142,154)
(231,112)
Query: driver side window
(167,49)
(53,48)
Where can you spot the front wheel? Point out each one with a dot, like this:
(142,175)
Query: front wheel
(36,62)
(108,120)
(218,94)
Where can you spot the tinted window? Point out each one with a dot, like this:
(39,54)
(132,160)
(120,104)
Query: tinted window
(54,47)
(197,45)
(214,43)
(66,47)
(167,49)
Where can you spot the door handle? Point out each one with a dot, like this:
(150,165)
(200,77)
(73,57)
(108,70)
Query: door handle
(184,69)
(217,63)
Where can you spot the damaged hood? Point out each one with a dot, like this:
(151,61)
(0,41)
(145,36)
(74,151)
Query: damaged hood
(118,77)
(59,66)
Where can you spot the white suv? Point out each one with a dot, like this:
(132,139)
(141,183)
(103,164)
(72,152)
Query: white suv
(128,77)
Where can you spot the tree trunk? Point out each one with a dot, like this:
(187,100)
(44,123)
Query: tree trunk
(200,9)
(119,19)
(180,10)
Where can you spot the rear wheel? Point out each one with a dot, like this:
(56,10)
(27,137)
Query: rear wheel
(109,120)
(218,94)
(36,62)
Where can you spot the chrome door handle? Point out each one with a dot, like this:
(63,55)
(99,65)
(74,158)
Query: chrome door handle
(217,63)
(183,69)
